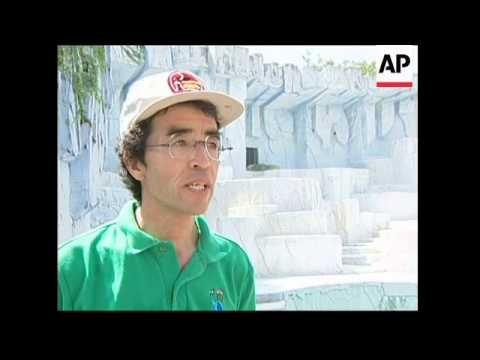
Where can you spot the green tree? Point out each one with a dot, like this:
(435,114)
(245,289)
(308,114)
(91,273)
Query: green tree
(368,69)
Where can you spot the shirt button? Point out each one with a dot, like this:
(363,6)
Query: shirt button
(162,248)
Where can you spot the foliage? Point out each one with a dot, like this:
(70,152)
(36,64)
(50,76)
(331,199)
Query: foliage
(83,67)
(262,167)
(368,69)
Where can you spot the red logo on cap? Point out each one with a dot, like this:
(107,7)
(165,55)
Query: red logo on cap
(184,81)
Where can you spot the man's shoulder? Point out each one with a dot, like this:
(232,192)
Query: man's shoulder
(234,252)
(86,244)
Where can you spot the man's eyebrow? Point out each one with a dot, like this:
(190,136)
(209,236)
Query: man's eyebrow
(212,133)
(181,131)
(178,131)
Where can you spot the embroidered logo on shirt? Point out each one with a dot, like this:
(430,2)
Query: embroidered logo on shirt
(216,295)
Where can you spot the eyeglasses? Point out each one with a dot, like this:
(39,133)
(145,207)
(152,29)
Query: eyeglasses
(183,147)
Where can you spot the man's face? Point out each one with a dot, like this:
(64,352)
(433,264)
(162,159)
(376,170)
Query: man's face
(166,182)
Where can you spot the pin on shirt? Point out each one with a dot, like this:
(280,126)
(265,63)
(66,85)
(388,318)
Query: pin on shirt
(216,295)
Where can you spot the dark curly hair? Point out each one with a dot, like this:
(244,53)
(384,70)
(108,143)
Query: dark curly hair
(132,144)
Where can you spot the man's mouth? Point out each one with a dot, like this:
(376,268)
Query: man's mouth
(197,186)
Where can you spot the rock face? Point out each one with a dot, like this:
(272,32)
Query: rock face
(347,152)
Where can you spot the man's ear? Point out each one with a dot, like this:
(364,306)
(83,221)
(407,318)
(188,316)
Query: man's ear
(135,167)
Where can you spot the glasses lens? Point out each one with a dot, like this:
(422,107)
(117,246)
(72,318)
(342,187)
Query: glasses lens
(184,147)
(213,145)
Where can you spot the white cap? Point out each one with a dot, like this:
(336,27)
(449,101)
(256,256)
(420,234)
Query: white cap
(155,92)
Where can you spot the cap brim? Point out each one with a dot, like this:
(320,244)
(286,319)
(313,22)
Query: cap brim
(228,107)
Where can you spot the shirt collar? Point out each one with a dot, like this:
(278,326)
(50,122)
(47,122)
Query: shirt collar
(209,247)
(139,241)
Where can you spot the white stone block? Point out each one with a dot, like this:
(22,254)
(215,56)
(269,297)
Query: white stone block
(340,126)
(240,61)
(409,112)
(199,55)
(388,117)
(114,198)
(333,78)
(324,120)
(361,259)
(347,219)
(337,183)
(236,158)
(251,210)
(309,77)
(290,194)
(380,171)
(382,221)
(101,215)
(289,255)
(348,211)
(243,231)
(273,75)
(271,306)
(312,222)
(367,219)
(399,247)
(63,192)
(256,67)
(224,59)
(225,173)
(180,55)
(111,180)
(369,123)
(360,180)
(405,161)
(399,205)
(259,196)
(291,79)
(81,225)
(256,120)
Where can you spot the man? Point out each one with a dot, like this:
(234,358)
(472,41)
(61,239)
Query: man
(159,254)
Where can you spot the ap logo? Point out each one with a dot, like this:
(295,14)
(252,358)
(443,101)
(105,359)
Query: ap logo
(394,66)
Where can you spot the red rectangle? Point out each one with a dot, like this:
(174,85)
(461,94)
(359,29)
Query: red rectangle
(395,84)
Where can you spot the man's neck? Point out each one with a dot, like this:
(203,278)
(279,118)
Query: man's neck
(180,229)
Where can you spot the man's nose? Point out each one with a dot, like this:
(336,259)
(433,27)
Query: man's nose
(200,157)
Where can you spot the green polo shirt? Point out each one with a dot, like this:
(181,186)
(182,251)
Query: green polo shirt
(117,266)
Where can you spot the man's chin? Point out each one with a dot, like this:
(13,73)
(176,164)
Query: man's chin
(197,210)
(200,211)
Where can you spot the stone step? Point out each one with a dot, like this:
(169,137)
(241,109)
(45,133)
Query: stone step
(399,246)
(251,210)
(271,306)
(360,250)
(356,290)
(341,183)
(400,205)
(309,222)
(290,194)
(288,255)
(361,242)
(274,255)
(337,183)
(392,188)
(374,221)
(363,269)
(243,231)
(384,236)
(360,259)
